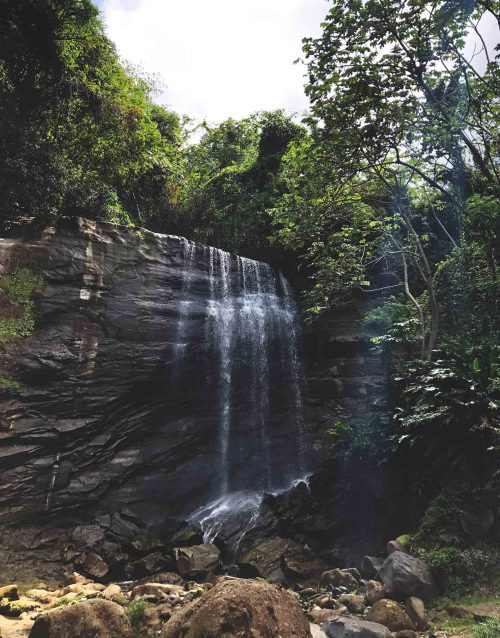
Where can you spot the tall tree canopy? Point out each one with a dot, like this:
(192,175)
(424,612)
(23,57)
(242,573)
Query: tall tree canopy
(405,133)
(79,133)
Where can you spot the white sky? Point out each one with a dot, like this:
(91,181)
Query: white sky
(218,58)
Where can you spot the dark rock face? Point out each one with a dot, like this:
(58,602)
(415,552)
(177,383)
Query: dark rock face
(348,381)
(112,424)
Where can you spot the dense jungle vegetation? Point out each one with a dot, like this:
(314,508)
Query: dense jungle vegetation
(389,187)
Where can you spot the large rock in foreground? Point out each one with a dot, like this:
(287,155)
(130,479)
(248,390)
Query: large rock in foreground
(240,608)
(91,619)
(344,627)
(404,576)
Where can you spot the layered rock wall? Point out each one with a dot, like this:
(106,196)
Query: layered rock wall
(118,414)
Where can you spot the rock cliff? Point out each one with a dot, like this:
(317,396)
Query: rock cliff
(124,400)
(160,376)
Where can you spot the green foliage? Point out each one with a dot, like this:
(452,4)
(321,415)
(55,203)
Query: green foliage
(396,325)
(78,130)
(18,287)
(450,406)
(440,525)
(366,440)
(66,602)
(488,629)
(460,570)
(378,84)
(233,177)
(405,539)
(461,560)
(136,612)
(9,383)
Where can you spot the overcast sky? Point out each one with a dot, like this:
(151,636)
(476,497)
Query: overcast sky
(218,58)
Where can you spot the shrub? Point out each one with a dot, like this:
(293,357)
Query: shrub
(459,570)
(19,286)
(66,602)
(8,383)
(136,612)
(488,629)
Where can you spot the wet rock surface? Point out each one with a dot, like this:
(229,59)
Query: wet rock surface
(92,444)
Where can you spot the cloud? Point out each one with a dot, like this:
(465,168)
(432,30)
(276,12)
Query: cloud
(218,58)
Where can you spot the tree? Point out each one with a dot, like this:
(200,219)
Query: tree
(392,86)
(233,177)
(79,133)
(395,101)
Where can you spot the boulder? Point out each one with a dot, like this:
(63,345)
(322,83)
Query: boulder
(436,616)
(373,591)
(9,592)
(404,576)
(147,565)
(155,589)
(15,608)
(455,611)
(95,618)
(370,566)
(197,560)
(112,592)
(95,566)
(390,614)
(80,579)
(316,631)
(395,546)
(355,604)
(415,609)
(482,612)
(169,578)
(265,559)
(338,577)
(345,627)
(353,571)
(237,607)
(320,616)
(299,564)
(87,535)
(145,544)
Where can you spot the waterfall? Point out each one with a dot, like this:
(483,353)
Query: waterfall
(220,331)
(253,382)
(188,258)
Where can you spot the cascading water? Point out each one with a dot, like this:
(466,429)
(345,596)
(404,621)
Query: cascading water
(253,384)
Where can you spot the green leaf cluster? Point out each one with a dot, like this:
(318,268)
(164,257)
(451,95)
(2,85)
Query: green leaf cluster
(18,287)
(79,134)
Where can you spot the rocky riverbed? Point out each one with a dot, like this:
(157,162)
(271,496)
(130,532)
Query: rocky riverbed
(385,598)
